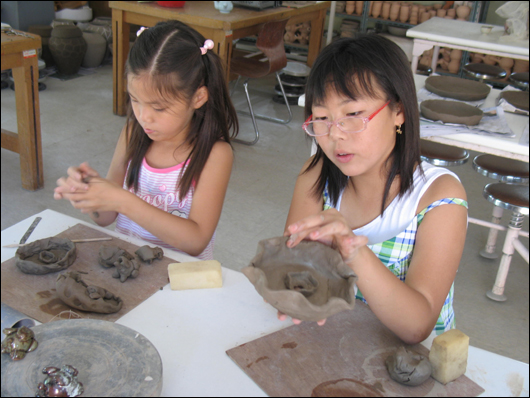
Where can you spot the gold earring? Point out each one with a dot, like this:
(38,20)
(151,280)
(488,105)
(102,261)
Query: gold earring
(399,129)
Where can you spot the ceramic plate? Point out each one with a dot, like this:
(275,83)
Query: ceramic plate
(457,88)
(112,360)
(451,112)
(519,99)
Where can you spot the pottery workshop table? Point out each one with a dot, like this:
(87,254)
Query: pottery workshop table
(193,329)
(462,35)
(19,53)
(202,16)
(494,144)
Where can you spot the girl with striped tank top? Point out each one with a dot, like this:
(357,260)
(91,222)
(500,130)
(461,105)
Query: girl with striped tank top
(398,223)
(168,177)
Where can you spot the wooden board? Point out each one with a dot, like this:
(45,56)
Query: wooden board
(112,360)
(345,357)
(35,296)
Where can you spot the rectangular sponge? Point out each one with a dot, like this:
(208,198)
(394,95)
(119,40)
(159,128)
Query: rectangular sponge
(195,275)
(448,355)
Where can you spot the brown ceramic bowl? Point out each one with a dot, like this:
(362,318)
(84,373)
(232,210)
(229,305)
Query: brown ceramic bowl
(457,88)
(451,112)
(519,99)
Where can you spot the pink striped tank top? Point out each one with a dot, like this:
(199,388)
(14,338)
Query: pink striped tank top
(160,188)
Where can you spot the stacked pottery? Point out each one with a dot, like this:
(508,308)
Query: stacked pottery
(68,48)
(45,32)
(341,5)
(520,66)
(394,10)
(404,13)
(454,63)
(96,48)
(350,7)
(414,14)
(463,12)
(359,7)
(451,13)
(376,9)
(103,27)
(385,13)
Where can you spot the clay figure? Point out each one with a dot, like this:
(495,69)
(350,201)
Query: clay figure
(126,268)
(108,255)
(76,293)
(18,342)
(309,282)
(45,255)
(149,254)
(60,382)
(408,367)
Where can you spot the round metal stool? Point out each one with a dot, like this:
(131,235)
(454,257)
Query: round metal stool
(484,71)
(505,170)
(442,155)
(520,80)
(512,197)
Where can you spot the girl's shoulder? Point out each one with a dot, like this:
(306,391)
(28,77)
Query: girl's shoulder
(444,185)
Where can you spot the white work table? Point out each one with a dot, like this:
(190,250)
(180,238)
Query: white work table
(462,35)
(192,329)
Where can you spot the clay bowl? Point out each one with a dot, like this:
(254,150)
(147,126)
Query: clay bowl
(457,88)
(45,255)
(309,282)
(451,112)
(519,99)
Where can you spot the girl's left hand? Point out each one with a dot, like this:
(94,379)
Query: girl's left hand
(102,195)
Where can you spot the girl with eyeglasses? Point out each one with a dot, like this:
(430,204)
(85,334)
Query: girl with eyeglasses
(399,223)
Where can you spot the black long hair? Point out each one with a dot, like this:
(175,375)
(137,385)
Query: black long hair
(357,67)
(170,54)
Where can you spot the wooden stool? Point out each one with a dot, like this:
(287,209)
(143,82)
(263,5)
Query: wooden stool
(504,170)
(512,197)
(442,155)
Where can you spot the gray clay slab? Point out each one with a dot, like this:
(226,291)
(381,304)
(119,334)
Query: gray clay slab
(451,112)
(457,88)
(112,360)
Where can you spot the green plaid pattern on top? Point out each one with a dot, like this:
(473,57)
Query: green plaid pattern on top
(396,254)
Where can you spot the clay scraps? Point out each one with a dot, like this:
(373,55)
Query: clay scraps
(408,367)
(45,255)
(149,254)
(126,264)
(76,293)
(18,342)
(60,382)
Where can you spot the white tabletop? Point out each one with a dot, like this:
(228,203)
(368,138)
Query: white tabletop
(468,34)
(193,329)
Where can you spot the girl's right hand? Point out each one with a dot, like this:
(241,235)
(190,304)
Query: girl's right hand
(77,180)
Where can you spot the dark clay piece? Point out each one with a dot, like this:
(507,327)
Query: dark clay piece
(45,255)
(126,268)
(108,255)
(408,367)
(149,254)
(18,342)
(60,382)
(76,293)
(309,282)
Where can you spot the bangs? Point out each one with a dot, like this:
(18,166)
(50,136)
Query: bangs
(165,88)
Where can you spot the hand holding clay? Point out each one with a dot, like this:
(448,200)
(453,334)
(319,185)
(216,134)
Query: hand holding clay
(76,180)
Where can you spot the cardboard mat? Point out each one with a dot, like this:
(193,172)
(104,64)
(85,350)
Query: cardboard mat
(35,295)
(344,358)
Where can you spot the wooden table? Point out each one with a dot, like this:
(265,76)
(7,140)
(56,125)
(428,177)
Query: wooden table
(202,16)
(19,53)
(462,35)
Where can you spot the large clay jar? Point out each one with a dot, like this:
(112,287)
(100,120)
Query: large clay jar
(451,13)
(394,11)
(96,48)
(385,13)
(350,7)
(520,66)
(404,13)
(359,7)
(68,48)
(376,10)
(463,12)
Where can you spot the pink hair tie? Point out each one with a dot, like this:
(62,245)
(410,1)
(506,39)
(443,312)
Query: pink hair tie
(208,45)
(140,31)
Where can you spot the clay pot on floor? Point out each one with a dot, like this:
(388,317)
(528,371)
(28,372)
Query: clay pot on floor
(68,48)
(96,48)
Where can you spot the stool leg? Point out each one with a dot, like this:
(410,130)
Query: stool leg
(507,251)
(489,250)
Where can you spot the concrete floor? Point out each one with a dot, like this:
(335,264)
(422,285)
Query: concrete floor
(78,125)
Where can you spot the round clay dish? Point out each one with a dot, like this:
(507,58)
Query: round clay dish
(457,88)
(519,99)
(451,112)
(45,255)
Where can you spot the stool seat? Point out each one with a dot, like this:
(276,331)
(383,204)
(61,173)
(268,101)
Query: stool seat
(512,197)
(442,155)
(484,71)
(502,169)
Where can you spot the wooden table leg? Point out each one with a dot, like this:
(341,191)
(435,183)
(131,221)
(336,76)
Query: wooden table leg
(120,49)
(26,79)
(315,37)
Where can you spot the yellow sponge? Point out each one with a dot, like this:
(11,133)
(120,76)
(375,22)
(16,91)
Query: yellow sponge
(448,355)
(195,275)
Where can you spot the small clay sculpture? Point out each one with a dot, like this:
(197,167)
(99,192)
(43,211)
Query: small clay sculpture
(408,367)
(76,293)
(309,282)
(60,382)
(108,255)
(18,342)
(149,254)
(45,255)
(126,268)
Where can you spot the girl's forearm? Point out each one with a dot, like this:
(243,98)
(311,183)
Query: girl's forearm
(402,309)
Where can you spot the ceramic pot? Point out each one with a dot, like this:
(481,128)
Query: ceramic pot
(441,13)
(425,16)
(490,59)
(413,18)
(456,54)
(96,48)
(463,12)
(414,8)
(451,12)
(350,7)
(68,48)
(453,66)
(385,13)
(443,64)
(359,7)
(376,11)
(433,13)
(371,8)
(476,58)
(437,6)
(425,60)
(394,11)
(520,66)
(404,13)
(446,53)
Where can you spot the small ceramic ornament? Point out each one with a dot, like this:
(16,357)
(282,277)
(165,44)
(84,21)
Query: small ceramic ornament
(60,382)
(18,342)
